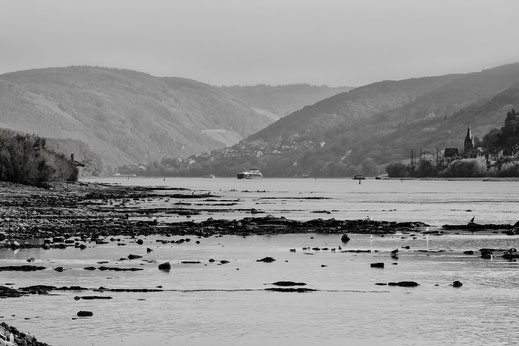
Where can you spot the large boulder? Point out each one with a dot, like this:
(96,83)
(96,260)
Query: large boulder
(345,238)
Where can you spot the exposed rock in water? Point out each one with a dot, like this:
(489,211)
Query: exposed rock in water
(117,269)
(457,284)
(345,238)
(290,289)
(266,260)
(165,266)
(7,292)
(404,284)
(132,257)
(85,313)
(22,268)
(486,253)
(288,283)
(377,265)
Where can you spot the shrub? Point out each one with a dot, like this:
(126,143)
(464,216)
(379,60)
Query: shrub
(25,159)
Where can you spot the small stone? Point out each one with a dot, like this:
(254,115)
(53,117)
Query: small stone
(457,284)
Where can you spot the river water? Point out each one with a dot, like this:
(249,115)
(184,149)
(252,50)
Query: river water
(225,304)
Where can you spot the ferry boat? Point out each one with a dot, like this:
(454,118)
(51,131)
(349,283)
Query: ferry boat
(252,173)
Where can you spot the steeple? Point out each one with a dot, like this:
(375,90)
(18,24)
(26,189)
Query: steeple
(468,144)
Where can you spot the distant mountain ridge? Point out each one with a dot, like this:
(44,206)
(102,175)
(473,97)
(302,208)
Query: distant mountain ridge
(128,117)
(374,125)
(124,116)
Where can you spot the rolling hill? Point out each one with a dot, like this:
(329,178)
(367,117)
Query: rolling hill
(374,124)
(125,116)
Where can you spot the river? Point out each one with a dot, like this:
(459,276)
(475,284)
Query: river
(210,303)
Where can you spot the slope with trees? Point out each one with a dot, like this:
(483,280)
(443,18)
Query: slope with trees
(25,159)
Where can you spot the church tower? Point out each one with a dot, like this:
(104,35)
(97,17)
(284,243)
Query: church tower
(468,144)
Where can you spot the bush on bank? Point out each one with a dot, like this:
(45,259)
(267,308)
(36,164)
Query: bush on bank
(25,159)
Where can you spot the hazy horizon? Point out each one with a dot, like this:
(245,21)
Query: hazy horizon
(245,42)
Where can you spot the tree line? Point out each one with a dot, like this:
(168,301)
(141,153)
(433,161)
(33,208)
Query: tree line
(25,159)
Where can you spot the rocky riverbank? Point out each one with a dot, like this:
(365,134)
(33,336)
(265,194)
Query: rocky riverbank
(19,338)
(79,214)
(86,214)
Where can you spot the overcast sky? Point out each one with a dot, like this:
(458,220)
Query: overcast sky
(224,42)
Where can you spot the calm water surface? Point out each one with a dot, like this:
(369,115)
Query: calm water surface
(213,304)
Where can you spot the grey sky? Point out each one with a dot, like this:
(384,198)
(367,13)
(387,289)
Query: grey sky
(223,42)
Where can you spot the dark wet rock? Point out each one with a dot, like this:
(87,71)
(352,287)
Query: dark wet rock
(149,250)
(165,266)
(475,227)
(468,252)
(211,260)
(381,283)
(58,239)
(22,268)
(266,260)
(129,290)
(511,254)
(190,262)
(140,241)
(290,289)
(7,292)
(94,297)
(404,284)
(132,257)
(118,269)
(345,238)
(224,261)
(72,288)
(377,265)
(486,254)
(21,338)
(85,313)
(59,269)
(457,284)
(45,246)
(288,283)
(38,289)
(356,251)
(90,268)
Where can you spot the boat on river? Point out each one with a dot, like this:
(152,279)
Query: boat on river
(252,173)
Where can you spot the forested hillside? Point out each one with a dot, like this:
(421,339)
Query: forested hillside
(371,126)
(125,116)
